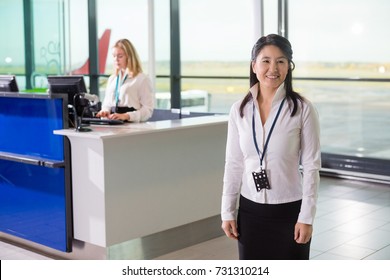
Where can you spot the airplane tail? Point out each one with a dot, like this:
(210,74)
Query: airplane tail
(102,50)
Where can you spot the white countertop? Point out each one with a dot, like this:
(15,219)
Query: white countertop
(110,131)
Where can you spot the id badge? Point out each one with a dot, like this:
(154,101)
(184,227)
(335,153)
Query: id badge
(261,180)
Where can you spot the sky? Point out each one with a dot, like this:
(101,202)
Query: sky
(341,30)
(221,30)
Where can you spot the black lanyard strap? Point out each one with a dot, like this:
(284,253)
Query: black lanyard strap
(269,134)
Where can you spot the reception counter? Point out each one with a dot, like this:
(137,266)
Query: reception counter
(141,190)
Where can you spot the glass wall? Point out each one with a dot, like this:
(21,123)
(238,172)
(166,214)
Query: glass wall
(342,59)
(124,19)
(53,35)
(215,39)
(58,49)
(344,68)
(162,48)
(12,39)
(75,38)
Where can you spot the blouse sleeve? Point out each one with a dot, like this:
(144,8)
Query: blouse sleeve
(311,163)
(146,100)
(234,168)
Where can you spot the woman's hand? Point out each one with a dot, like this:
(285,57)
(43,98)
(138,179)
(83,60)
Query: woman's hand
(302,233)
(116,116)
(230,229)
(102,114)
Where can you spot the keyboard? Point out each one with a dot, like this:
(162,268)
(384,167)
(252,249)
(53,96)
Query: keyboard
(101,121)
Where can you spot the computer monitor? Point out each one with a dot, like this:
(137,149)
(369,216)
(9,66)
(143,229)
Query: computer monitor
(70,85)
(73,87)
(8,83)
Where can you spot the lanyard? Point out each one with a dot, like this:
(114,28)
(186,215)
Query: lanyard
(117,87)
(269,135)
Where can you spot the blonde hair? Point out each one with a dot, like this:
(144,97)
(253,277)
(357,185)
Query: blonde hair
(133,62)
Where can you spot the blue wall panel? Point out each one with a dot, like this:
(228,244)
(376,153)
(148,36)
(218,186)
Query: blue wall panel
(34,200)
(32,203)
(27,124)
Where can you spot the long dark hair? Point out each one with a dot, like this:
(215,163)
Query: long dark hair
(284,45)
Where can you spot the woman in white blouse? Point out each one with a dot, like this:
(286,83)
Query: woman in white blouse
(129,94)
(272,131)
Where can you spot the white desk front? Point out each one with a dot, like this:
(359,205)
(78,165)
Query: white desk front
(134,180)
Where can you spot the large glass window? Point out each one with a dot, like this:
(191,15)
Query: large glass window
(76,43)
(60,38)
(328,42)
(348,53)
(125,19)
(216,38)
(342,58)
(12,39)
(270,16)
(162,29)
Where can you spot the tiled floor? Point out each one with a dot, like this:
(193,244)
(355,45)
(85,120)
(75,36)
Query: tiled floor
(353,222)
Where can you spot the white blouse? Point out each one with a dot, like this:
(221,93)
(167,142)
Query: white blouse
(294,141)
(135,92)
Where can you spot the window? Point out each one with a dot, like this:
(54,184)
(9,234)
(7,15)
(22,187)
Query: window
(216,40)
(12,39)
(125,19)
(343,66)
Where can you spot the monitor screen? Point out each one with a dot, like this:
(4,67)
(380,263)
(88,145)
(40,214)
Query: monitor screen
(8,83)
(72,86)
(69,85)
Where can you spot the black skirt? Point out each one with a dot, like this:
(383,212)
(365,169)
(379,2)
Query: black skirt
(266,231)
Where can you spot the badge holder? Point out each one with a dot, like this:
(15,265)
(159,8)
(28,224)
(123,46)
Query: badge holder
(261,180)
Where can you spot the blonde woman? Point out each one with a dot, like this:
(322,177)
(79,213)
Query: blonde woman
(129,94)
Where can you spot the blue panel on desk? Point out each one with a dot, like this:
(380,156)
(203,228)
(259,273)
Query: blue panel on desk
(32,203)
(27,126)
